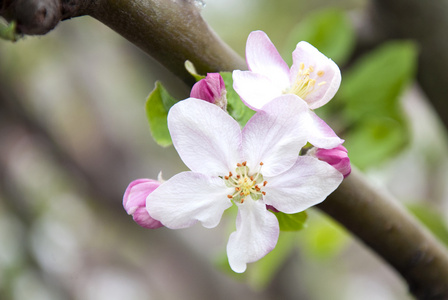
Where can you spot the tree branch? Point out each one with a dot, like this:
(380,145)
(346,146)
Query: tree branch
(386,227)
(173,31)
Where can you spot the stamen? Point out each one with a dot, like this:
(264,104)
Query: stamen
(304,83)
(245,183)
(264,193)
(264,183)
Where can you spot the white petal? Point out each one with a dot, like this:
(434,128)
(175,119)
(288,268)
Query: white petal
(256,234)
(207,138)
(262,57)
(276,134)
(320,134)
(307,183)
(187,198)
(255,89)
(310,56)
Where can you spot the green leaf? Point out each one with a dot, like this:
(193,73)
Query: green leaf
(236,108)
(8,32)
(192,70)
(157,106)
(375,140)
(292,222)
(323,238)
(373,86)
(371,92)
(330,31)
(432,219)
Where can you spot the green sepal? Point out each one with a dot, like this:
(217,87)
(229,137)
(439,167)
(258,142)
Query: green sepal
(236,108)
(189,66)
(157,106)
(292,222)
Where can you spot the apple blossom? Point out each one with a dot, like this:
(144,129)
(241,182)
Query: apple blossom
(211,89)
(313,77)
(336,157)
(254,168)
(134,202)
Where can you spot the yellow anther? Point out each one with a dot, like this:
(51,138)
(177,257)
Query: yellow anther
(320,73)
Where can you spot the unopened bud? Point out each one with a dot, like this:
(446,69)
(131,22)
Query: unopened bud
(336,157)
(134,202)
(211,89)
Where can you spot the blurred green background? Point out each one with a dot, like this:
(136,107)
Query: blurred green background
(73,134)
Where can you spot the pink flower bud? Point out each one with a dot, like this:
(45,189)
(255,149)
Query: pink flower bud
(134,202)
(336,157)
(211,89)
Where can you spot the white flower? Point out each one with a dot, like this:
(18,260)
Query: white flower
(253,167)
(313,77)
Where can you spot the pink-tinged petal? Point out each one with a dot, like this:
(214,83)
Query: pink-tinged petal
(307,183)
(256,234)
(142,218)
(275,135)
(207,138)
(330,75)
(187,198)
(255,89)
(134,202)
(320,134)
(336,157)
(211,89)
(262,57)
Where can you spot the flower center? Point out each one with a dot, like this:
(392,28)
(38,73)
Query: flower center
(245,183)
(304,84)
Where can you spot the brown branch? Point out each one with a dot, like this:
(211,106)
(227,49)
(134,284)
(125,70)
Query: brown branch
(386,227)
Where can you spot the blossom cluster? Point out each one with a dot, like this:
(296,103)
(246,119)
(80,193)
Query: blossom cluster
(256,167)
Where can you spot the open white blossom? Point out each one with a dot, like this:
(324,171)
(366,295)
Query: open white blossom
(251,168)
